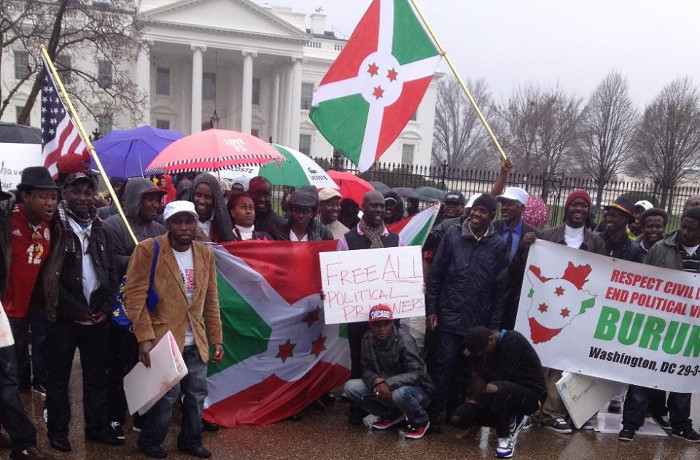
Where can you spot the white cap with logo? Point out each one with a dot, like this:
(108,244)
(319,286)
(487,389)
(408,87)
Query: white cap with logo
(175,207)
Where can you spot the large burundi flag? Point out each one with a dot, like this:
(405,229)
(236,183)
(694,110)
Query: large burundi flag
(376,83)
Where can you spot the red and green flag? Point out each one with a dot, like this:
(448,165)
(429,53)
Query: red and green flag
(376,83)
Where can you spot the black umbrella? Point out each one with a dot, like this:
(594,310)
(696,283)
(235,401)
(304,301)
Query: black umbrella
(11,133)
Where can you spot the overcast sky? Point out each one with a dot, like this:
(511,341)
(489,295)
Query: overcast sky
(574,43)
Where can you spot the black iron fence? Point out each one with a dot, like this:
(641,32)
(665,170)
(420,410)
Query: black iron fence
(553,189)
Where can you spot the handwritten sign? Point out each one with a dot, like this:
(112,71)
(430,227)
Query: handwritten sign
(13,159)
(583,395)
(355,281)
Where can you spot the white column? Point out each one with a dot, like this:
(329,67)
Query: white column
(287,114)
(296,104)
(275,106)
(247,92)
(143,72)
(197,51)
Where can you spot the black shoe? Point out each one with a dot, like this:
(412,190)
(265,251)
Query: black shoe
(105,436)
(627,434)
(30,453)
(208,426)
(615,407)
(60,443)
(198,451)
(663,421)
(297,417)
(328,399)
(687,433)
(153,451)
(117,430)
(40,389)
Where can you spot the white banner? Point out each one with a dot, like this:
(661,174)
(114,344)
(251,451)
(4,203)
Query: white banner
(612,319)
(6,338)
(355,281)
(13,159)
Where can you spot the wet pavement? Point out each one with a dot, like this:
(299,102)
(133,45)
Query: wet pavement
(325,434)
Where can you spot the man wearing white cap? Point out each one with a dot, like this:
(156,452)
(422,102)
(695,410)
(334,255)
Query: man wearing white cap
(329,210)
(185,282)
(634,229)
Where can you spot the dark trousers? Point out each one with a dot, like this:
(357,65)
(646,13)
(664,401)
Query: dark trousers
(194,386)
(122,356)
(496,409)
(448,348)
(30,365)
(657,403)
(62,339)
(12,414)
(638,398)
(355,333)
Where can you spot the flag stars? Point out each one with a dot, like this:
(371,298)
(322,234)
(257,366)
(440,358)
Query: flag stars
(565,313)
(543,307)
(378,92)
(286,350)
(318,345)
(392,75)
(559,291)
(373,69)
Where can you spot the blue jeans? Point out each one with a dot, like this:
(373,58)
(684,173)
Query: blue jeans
(194,386)
(448,347)
(12,414)
(30,365)
(638,398)
(408,400)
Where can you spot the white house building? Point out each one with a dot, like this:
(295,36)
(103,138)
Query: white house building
(241,66)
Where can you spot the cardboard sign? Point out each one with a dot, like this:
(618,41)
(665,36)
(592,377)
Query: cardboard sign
(612,319)
(355,281)
(583,395)
(13,159)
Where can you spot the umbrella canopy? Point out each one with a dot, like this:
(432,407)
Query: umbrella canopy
(429,193)
(127,152)
(351,186)
(213,150)
(405,192)
(12,133)
(536,212)
(380,186)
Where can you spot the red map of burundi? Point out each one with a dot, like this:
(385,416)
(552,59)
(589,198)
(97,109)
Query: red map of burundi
(556,302)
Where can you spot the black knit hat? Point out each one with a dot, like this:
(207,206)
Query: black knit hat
(487,201)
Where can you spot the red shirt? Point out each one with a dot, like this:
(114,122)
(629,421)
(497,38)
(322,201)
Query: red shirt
(30,248)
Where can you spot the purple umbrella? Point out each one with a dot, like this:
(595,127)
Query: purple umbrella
(128,152)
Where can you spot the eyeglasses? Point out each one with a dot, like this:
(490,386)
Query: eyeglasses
(301,210)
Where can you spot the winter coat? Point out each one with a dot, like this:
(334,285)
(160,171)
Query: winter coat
(468,280)
(316,231)
(592,242)
(666,253)
(173,310)
(626,250)
(396,360)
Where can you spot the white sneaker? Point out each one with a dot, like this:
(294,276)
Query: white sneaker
(505,448)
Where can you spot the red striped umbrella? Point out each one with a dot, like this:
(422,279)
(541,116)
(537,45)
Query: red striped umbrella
(213,150)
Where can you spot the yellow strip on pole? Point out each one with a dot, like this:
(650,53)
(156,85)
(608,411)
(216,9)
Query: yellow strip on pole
(459,79)
(91,149)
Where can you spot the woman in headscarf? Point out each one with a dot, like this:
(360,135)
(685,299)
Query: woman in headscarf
(241,208)
(214,223)
(393,205)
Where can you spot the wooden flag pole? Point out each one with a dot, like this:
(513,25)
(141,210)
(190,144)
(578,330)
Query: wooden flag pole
(459,79)
(90,147)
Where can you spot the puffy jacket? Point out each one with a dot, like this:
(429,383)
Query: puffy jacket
(468,280)
(666,253)
(396,360)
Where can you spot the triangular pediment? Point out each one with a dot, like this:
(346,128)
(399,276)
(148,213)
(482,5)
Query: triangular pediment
(238,16)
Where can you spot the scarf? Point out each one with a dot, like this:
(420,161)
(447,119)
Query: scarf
(64,212)
(374,234)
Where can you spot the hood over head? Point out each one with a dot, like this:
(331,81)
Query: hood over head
(221,215)
(133,194)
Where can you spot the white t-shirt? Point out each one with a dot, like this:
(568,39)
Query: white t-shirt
(185,262)
(90,281)
(246,232)
(293,236)
(573,236)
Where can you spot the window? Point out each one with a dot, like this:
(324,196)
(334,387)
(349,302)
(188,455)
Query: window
(307,94)
(21,64)
(414,117)
(104,123)
(209,86)
(104,74)
(18,110)
(63,65)
(256,91)
(305,144)
(407,153)
(162,81)
(163,124)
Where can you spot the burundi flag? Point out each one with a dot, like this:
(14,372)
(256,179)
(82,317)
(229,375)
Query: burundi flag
(414,230)
(376,83)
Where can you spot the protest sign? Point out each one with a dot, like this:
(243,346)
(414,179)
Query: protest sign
(612,319)
(144,386)
(584,395)
(14,158)
(355,281)
(6,338)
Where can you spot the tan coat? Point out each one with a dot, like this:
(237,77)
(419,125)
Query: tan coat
(173,309)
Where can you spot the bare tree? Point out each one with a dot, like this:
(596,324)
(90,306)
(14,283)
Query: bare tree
(607,128)
(668,138)
(459,137)
(539,130)
(106,33)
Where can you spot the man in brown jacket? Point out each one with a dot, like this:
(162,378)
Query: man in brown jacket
(185,281)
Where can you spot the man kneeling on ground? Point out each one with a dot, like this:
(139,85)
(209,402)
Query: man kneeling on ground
(515,385)
(395,384)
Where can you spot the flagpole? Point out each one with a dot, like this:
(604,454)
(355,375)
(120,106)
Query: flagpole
(459,79)
(90,147)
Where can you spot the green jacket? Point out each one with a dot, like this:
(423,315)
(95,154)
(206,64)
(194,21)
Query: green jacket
(666,253)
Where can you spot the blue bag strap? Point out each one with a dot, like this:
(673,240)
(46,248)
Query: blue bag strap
(156,251)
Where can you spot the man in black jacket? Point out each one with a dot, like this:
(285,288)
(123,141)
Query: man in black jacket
(85,301)
(395,384)
(466,287)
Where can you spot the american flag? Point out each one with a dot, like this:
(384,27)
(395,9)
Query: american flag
(59,135)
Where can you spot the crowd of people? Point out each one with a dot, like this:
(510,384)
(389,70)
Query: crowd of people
(68,255)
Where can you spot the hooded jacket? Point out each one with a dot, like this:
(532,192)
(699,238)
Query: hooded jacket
(221,227)
(397,214)
(468,280)
(666,253)
(123,245)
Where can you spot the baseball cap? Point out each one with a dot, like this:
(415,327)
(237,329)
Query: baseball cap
(514,193)
(328,193)
(472,199)
(176,207)
(75,177)
(454,196)
(380,312)
(646,205)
